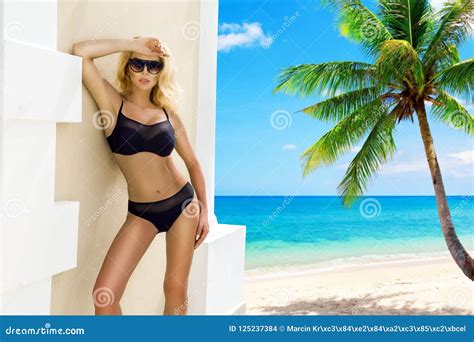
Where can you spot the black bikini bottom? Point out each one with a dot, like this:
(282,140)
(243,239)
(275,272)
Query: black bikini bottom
(163,213)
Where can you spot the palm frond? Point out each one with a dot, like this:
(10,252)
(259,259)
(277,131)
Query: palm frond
(376,150)
(326,78)
(360,24)
(340,106)
(454,25)
(458,79)
(342,137)
(449,57)
(397,58)
(407,19)
(448,110)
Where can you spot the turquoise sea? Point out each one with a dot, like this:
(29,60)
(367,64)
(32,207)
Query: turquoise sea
(285,232)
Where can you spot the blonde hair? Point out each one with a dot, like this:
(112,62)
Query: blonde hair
(166,90)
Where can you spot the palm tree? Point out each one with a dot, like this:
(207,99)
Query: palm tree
(416,61)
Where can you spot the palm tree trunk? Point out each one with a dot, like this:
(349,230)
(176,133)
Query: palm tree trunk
(459,254)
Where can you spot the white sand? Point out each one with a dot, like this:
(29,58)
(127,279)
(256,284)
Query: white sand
(406,287)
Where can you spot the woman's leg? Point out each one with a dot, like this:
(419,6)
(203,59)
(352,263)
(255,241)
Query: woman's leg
(126,250)
(179,254)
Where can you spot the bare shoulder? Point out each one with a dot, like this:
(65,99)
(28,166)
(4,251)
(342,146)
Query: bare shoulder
(171,110)
(114,96)
(105,95)
(174,115)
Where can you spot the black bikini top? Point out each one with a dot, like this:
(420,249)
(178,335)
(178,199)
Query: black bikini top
(130,136)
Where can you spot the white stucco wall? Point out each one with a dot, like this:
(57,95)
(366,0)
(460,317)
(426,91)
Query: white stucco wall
(53,157)
(40,87)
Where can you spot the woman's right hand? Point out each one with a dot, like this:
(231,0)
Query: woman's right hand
(149,46)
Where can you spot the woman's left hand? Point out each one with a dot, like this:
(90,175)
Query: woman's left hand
(203,229)
(148,46)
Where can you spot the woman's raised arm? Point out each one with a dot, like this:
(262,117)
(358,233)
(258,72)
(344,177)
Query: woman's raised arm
(105,95)
(101,47)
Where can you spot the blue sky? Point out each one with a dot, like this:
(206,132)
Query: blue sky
(257,39)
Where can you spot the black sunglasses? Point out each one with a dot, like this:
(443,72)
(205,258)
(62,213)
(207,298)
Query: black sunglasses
(137,65)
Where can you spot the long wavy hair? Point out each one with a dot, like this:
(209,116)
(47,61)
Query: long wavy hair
(166,91)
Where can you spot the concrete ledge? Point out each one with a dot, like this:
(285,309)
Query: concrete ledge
(216,285)
(55,91)
(31,299)
(38,244)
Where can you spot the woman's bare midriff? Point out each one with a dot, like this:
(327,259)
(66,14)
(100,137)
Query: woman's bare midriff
(149,176)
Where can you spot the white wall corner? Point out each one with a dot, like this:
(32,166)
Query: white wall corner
(216,284)
(206,106)
(217,273)
(40,87)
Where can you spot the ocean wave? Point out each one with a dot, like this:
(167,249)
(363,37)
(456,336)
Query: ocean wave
(343,263)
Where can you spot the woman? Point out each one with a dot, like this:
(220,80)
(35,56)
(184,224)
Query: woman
(144,130)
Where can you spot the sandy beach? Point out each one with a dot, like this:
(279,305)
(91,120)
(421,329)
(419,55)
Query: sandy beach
(433,286)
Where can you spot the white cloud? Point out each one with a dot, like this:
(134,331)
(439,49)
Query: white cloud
(288,147)
(458,165)
(236,35)
(404,167)
(437,4)
(465,157)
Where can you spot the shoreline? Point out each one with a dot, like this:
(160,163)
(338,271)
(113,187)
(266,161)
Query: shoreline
(346,264)
(387,251)
(410,286)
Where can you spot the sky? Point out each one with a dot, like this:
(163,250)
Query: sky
(260,136)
